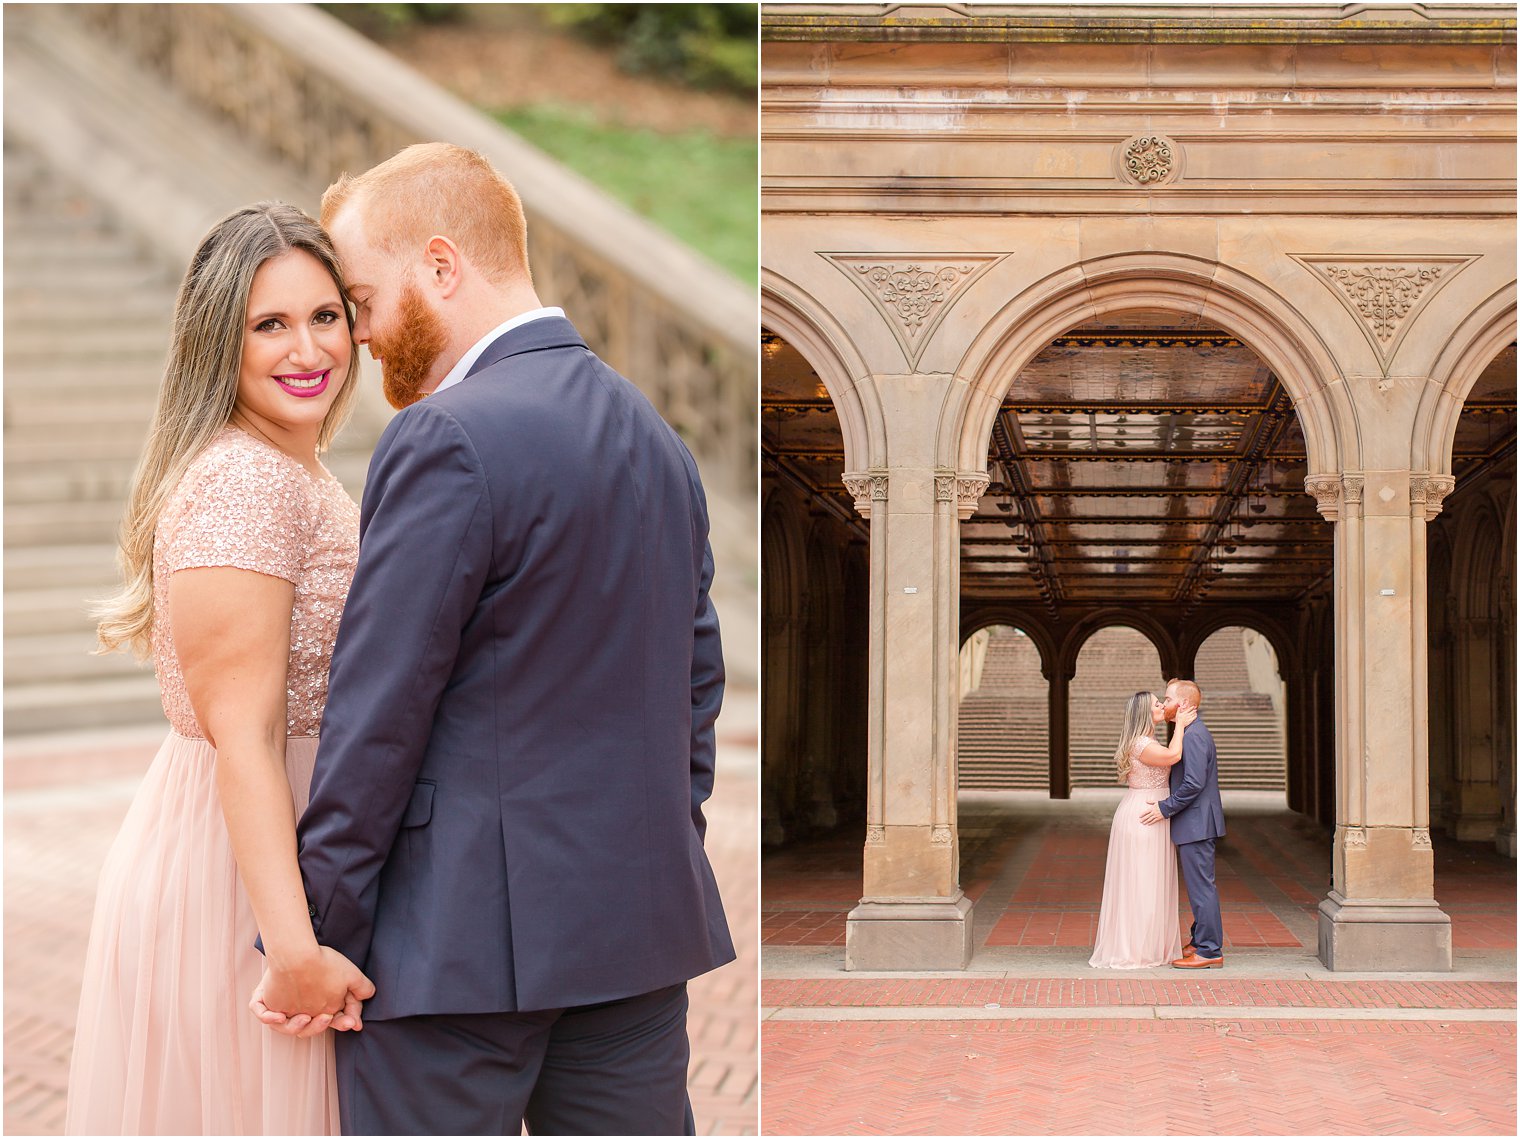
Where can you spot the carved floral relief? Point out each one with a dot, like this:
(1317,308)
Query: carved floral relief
(913,291)
(1384,293)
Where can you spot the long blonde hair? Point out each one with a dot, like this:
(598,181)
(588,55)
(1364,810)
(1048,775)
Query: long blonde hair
(1137,725)
(199,390)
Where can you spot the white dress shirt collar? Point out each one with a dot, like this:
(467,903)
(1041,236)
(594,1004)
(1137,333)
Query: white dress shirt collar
(459,370)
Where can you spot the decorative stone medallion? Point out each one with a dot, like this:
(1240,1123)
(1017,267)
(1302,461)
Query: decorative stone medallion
(1148,159)
(913,291)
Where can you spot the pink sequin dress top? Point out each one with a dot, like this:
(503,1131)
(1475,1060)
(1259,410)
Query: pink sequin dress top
(165,1043)
(1138,924)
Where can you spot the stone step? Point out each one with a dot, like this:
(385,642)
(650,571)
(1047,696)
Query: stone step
(62,417)
(61,523)
(37,612)
(28,343)
(89,246)
(86,567)
(23,450)
(46,658)
(87,380)
(95,286)
(107,702)
(38,308)
(58,480)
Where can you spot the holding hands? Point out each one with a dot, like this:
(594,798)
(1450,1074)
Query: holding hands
(306,997)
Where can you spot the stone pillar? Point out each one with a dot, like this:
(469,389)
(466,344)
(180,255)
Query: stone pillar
(1381,914)
(1296,740)
(1060,732)
(1473,810)
(1504,713)
(912,914)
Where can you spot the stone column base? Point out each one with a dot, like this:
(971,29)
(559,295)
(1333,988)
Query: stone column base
(901,935)
(1383,936)
(1505,843)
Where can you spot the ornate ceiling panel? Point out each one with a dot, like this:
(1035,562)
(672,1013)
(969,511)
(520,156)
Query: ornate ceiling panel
(1144,458)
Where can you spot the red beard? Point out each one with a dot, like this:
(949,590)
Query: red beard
(407,354)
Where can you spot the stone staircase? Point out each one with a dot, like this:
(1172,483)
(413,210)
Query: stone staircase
(86,320)
(1003,741)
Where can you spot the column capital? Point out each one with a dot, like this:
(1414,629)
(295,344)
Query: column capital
(1335,494)
(1427,493)
(969,488)
(865,488)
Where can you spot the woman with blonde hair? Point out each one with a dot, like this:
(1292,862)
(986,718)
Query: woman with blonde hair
(1137,920)
(237,550)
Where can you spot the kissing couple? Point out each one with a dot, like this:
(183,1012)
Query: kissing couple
(496,890)
(1137,919)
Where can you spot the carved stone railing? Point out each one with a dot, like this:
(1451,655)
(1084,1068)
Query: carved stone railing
(320,99)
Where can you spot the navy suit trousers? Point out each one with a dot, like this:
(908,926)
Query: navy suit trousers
(1197,860)
(616,1068)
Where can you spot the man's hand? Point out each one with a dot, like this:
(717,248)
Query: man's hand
(1151,815)
(306,998)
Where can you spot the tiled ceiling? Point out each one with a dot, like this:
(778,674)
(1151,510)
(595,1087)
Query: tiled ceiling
(1143,458)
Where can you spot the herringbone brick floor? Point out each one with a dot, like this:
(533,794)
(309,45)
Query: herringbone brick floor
(1152,1077)
(62,810)
(1034,866)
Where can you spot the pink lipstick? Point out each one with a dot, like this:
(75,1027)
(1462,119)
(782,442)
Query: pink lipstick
(304,384)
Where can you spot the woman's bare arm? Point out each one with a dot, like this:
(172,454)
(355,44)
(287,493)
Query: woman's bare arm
(231,631)
(1155,755)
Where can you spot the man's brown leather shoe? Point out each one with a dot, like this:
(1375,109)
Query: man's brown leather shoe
(1193,961)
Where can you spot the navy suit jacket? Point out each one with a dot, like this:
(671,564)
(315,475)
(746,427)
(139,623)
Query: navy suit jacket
(1194,806)
(506,812)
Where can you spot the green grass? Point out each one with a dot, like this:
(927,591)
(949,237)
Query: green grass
(696,186)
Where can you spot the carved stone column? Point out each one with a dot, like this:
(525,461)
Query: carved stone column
(912,914)
(1381,914)
(1060,732)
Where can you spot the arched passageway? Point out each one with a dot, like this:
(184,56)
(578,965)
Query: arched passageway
(1246,705)
(1113,664)
(1004,730)
(1471,600)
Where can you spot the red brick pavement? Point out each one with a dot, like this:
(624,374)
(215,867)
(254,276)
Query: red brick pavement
(1076,993)
(1217,1077)
(62,809)
(1035,868)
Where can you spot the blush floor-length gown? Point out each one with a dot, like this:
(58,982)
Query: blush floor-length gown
(165,1044)
(1137,920)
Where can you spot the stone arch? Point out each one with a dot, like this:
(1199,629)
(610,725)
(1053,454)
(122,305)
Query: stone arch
(1210,622)
(808,327)
(1174,282)
(1476,562)
(1472,346)
(986,616)
(1159,635)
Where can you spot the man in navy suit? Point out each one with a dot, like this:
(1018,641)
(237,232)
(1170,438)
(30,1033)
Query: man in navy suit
(505,829)
(1197,824)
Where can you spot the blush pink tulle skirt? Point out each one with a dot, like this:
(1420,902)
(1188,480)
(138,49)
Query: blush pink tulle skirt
(1137,924)
(165,1043)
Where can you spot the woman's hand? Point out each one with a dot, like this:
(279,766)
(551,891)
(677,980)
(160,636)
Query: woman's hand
(1185,716)
(307,997)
